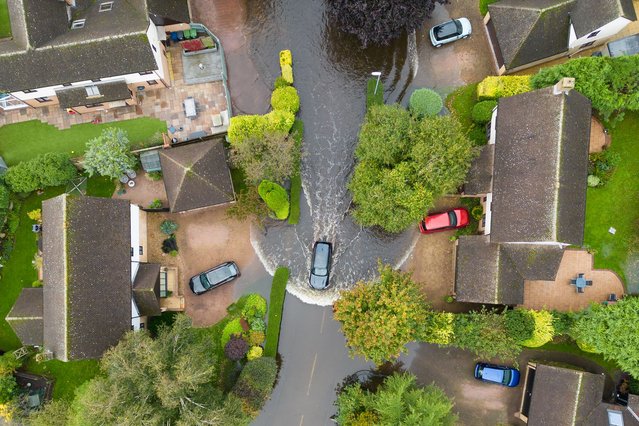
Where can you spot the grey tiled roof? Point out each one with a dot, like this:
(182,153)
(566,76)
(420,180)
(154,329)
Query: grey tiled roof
(77,96)
(146,289)
(168,11)
(541,167)
(561,396)
(590,15)
(25,317)
(535,261)
(480,175)
(87,275)
(196,176)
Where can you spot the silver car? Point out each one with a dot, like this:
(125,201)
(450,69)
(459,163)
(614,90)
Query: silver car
(450,31)
(214,277)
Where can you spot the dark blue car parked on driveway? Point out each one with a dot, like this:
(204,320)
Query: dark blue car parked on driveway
(506,376)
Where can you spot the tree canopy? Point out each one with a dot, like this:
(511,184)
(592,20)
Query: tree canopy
(273,156)
(380,21)
(397,401)
(392,307)
(404,165)
(109,154)
(49,169)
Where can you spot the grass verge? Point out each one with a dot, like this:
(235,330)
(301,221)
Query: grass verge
(276,306)
(374,97)
(570,347)
(5,24)
(297,131)
(460,103)
(616,251)
(23,141)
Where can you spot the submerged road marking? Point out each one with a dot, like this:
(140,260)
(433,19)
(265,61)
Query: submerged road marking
(310,379)
(323,319)
(302,420)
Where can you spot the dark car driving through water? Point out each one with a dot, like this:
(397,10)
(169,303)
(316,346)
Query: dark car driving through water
(321,265)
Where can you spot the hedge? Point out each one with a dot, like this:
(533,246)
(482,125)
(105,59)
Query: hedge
(255,384)
(286,98)
(279,121)
(296,180)
(280,82)
(503,86)
(243,127)
(286,58)
(425,103)
(278,294)
(275,198)
(483,111)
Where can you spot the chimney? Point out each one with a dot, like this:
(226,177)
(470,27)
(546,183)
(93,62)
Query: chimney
(564,85)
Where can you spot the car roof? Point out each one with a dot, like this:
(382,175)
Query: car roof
(492,374)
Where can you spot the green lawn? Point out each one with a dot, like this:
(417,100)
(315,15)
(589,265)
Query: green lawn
(275,308)
(483,6)
(617,205)
(460,103)
(68,375)
(5,25)
(22,141)
(374,97)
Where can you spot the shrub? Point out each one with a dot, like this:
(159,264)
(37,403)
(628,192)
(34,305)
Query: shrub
(483,111)
(236,348)
(278,294)
(477,212)
(286,98)
(255,383)
(495,87)
(5,200)
(242,127)
(8,364)
(543,329)
(256,338)
(520,324)
(154,176)
(593,181)
(602,165)
(169,245)
(49,169)
(287,73)
(8,388)
(280,82)
(286,58)
(562,322)
(168,227)
(279,121)
(257,324)
(109,154)
(255,306)
(233,327)
(254,353)
(13,221)
(425,103)
(155,204)
(275,198)
(36,284)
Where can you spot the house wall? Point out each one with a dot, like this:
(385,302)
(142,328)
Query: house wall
(602,35)
(138,234)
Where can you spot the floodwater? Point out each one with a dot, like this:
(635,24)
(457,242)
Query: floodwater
(330,71)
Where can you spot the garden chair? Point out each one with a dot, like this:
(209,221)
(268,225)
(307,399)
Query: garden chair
(588,282)
(580,290)
(573,282)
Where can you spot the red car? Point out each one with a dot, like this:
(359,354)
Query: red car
(452,219)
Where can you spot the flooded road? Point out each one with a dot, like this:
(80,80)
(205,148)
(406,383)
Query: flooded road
(330,72)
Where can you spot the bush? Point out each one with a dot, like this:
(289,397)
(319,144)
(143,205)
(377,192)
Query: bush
(8,364)
(5,200)
(168,227)
(520,324)
(286,58)
(256,338)
(483,111)
(242,127)
(155,204)
(257,324)
(13,221)
(543,329)
(36,284)
(562,322)
(287,73)
(593,181)
(236,348)
(602,165)
(154,176)
(425,103)
(256,383)
(278,294)
(255,306)
(275,198)
(233,327)
(35,215)
(170,245)
(254,353)
(495,87)
(49,169)
(279,121)
(280,82)
(477,212)
(8,388)
(286,98)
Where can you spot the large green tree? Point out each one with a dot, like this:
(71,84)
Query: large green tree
(398,401)
(273,157)
(49,169)
(109,154)
(404,165)
(391,307)
(611,331)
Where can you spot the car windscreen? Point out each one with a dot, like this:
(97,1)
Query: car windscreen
(218,275)
(453,218)
(320,264)
(205,282)
(448,29)
(506,379)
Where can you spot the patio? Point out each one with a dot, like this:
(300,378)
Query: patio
(144,191)
(562,296)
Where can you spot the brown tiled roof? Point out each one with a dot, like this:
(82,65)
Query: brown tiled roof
(25,317)
(196,175)
(146,289)
(87,275)
(541,168)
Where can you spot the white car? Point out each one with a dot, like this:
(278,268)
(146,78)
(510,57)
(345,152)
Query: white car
(450,31)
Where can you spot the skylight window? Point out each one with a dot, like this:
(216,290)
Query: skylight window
(92,91)
(77,24)
(106,6)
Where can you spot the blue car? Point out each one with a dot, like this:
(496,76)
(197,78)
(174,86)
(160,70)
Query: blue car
(505,376)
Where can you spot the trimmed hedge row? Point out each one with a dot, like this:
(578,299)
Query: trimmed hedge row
(278,294)
(493,87)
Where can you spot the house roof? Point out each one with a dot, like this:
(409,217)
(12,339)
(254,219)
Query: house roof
(535,261)
(541,167)
(109,92)
(601,414)
(196,175)
(164,12)
(146,289)
(25,317)
(484,273)
(480,175)
(528,31)
(561,396)
(88,302)
(590,15)
(110,43)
